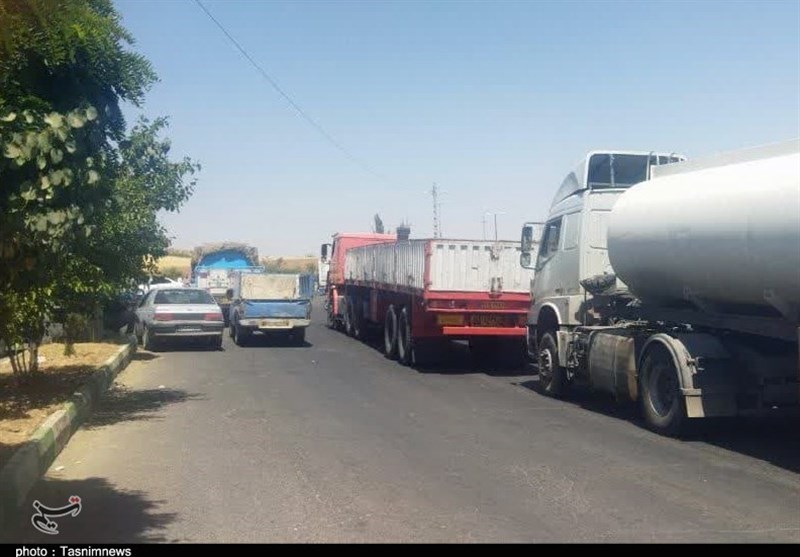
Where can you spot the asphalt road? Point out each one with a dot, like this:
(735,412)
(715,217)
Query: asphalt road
(331,442)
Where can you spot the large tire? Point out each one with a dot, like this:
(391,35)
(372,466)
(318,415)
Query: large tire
(390,334)
(552,375)
(148,342)
(330,317)
(358,319)
(348,317)
(405,348)
(662,403)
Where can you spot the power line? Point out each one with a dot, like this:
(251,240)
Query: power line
(303,114)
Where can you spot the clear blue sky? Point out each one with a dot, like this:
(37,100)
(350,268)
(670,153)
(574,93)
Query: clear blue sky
(494,101)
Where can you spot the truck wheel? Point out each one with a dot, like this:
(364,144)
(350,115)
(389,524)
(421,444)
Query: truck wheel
(240,337)
(663,405)
(552,375)
(404,348)
(390,334)
(358,320)
(348,317)
(331,319)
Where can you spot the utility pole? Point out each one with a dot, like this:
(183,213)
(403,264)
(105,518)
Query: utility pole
(495,223)
(437,232)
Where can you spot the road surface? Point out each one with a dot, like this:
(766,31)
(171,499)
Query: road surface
(331,442)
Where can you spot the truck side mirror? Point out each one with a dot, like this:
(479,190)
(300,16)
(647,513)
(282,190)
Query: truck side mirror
(527,238)
(525,260)
(324,252)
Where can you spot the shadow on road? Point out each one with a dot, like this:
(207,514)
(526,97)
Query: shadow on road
(107,515)
(270,341)
(453,358)
(144,356)
(770,439)
(167,347)
(121,404)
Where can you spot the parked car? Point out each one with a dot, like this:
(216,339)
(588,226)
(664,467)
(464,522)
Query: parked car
(178,314)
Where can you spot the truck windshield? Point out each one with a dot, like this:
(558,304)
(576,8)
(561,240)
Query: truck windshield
(609,170)
(617,171)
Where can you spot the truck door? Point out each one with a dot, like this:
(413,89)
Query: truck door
(548,281)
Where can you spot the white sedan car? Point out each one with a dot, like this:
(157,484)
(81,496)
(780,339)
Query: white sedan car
(178,314)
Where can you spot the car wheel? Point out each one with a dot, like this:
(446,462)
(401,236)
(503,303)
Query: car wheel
(240,337)
(148,341)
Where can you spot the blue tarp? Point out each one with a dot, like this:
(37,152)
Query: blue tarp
(224,260)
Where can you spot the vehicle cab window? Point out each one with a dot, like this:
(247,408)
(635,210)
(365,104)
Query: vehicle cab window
(550,240)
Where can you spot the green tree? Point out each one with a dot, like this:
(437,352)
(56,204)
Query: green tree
(79,196)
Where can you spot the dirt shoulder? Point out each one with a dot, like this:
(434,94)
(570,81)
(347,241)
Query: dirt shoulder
(24,407)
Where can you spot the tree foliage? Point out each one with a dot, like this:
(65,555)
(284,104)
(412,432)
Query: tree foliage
(79,193)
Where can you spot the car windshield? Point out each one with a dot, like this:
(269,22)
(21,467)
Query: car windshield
(183,296)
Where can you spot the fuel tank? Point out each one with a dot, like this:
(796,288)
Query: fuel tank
(721,234)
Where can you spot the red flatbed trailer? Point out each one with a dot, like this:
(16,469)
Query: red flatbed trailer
(422,292)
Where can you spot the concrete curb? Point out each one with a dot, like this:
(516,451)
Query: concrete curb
(31,461)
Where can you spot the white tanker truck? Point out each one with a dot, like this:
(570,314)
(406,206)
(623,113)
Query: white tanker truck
(672,283)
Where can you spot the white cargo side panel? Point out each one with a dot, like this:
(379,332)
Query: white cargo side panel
(410,264)
(400,265)
(478,266)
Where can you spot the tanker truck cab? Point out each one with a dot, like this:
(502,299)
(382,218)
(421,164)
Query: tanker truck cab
(672,284)
(573,239)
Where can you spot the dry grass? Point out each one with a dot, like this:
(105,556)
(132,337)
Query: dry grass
(23,408)
(175,262)
(290,264)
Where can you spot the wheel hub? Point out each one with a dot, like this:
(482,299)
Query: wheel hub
(545,365)
(664,390)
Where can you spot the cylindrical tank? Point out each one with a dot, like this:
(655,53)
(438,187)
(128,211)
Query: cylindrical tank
(726,237)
